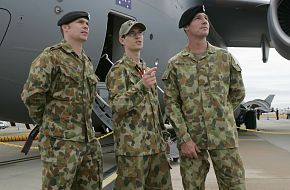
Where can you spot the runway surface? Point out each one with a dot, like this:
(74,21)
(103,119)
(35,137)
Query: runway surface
(266,158)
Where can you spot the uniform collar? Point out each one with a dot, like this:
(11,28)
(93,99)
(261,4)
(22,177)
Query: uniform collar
(67,47)
(131,63)
(210,50)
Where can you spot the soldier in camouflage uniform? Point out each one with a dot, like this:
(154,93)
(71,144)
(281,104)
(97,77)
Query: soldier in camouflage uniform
(59,94)
(203,85)
(139,131)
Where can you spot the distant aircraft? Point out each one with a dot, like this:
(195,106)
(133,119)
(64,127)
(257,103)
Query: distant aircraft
(4,124)
(246,112)
(27,27)
(258,104)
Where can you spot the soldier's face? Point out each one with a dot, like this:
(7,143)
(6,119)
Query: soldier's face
(133,40)
(199,26)
(77,30)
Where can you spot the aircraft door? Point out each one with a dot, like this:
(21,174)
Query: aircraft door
(112,49)
(5,18)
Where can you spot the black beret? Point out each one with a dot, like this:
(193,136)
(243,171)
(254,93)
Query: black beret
(72,16)
(189,14)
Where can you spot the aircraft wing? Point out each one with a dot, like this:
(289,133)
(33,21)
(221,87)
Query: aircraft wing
(250,23)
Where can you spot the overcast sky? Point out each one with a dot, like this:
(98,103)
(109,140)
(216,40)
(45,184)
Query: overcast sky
(262,79)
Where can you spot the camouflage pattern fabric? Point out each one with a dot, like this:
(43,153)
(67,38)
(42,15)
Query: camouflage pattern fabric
(201,92)
(138,126)
(227,165)
(150,172)
(70,165)
(59,93)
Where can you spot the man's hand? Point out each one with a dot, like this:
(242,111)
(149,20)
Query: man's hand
(189,149)
(149,78)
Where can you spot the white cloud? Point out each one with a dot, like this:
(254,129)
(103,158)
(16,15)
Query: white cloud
(262,79)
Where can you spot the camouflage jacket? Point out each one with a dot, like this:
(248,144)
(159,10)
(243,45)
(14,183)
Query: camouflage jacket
(200,95)
(59,93)
(136,116)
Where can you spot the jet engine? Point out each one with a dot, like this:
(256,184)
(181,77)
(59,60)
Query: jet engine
(279,26)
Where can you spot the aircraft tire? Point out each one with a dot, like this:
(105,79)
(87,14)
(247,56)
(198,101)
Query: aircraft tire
(250,119)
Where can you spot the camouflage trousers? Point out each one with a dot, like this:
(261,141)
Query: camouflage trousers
(227,165)
(150,172)
(70,165)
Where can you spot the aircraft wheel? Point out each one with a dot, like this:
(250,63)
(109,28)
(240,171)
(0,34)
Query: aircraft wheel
(250,119)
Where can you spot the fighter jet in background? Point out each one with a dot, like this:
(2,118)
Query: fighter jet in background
(247,111)
(258,104)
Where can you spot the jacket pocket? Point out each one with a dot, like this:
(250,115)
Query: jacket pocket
(70,73)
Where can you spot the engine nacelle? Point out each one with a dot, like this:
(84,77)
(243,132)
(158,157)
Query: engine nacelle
(279,26)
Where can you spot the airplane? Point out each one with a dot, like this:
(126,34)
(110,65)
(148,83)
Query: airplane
(3,124)
(258,104)
(27,27)
(247,112)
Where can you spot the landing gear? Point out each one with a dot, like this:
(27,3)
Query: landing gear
(245,116)
(250,119)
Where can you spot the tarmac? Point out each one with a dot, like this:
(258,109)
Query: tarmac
(266,159)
